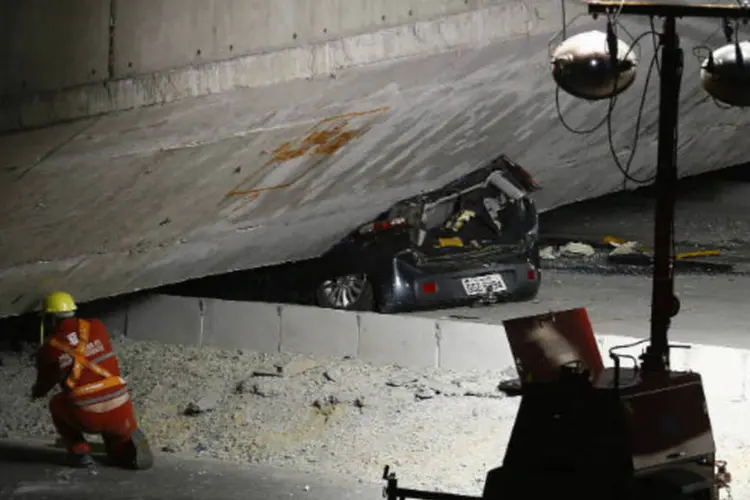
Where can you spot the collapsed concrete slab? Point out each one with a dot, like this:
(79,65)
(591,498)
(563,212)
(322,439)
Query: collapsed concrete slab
(278,167)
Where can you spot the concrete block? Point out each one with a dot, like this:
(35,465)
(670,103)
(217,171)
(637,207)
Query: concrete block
(167,319)
(402,340)
(469,346)
(315,330)
(722,369)
(48,45)
(242,325)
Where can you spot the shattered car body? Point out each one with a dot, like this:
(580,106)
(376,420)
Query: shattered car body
(473,240)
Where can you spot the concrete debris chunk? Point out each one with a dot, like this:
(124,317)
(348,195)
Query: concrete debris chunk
(424,391)
(64,476)
(327,401)
(547,253)
(484,394)
(243,387)
(628,248)
(297,367)
(262,388)
(401,380)
(578,249)
(444,389)
(265,390)
(327,406)
(291,368)
(205,404)
(268,371)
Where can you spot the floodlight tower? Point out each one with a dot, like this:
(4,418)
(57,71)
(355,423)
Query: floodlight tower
(586,63)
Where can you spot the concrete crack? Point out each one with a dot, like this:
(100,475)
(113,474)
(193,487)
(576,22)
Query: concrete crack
(57,148)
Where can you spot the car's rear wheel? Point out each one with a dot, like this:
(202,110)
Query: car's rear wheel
(353,292)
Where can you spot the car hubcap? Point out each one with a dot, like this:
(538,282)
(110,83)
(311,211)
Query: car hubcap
(345,290)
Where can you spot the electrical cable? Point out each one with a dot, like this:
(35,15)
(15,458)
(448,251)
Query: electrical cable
(607,119)
(625,170)
(570,128)
(655,41)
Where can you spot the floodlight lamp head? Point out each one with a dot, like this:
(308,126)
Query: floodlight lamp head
(585,66)
(725,74)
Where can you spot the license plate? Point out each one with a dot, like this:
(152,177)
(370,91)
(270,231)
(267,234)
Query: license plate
(479,284)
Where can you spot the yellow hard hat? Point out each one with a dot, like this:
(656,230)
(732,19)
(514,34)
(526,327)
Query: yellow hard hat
(59,302)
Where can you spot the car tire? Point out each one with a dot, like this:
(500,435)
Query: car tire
(364,301)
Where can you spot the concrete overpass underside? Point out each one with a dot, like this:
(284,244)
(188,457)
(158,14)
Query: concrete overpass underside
(155,141)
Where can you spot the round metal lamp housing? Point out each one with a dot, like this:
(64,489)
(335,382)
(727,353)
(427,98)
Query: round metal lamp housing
(582,66)
(726,74)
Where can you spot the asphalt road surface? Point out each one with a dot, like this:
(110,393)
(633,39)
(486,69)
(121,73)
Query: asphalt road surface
(712,212)
(37,472)
(714,307)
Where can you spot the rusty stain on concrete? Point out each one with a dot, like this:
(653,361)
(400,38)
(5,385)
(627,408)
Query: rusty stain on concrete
(320,140)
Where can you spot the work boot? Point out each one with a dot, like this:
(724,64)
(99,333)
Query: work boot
(79,455)
(136,454)
(80,460)
(144,458)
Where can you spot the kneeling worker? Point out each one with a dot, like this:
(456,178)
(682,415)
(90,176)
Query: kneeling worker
(94,398)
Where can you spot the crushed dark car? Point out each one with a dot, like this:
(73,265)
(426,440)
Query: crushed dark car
(473,241)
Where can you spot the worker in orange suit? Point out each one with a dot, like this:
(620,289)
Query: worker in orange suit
(94,398)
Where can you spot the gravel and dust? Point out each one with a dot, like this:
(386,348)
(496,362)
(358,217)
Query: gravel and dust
(439,429)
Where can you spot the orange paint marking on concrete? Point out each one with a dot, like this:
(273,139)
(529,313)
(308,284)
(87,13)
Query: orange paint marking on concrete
(319,140)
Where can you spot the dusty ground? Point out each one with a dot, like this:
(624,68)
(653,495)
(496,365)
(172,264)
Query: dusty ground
(439,429)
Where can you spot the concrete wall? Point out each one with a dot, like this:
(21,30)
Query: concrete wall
(68,60)
(409,341)
(154,35)
(49,44)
